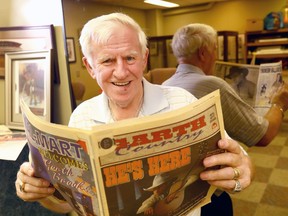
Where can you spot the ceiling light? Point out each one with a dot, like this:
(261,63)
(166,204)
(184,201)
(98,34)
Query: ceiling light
(162,3)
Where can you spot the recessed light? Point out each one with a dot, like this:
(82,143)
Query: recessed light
(162,3)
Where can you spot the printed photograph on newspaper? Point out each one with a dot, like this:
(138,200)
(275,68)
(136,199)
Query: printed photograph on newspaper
(255,84)
(242,78)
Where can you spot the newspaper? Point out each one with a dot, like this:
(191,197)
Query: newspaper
(270,79)
(114,168)
(257,84)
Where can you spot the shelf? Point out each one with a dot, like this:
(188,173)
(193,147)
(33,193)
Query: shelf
(270,41)
(269,32)
(265,56)
(258,44)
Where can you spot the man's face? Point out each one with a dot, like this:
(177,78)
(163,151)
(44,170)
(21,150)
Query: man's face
(237,77)
(160,189)
(118,65)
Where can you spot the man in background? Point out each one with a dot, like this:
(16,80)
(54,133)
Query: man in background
(195,47)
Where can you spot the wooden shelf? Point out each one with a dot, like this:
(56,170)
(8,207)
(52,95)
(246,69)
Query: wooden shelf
(267,56)
(265,32)
(273,38)
(263,44)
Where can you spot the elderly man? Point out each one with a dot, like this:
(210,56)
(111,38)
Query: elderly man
(195,47)
(115,55)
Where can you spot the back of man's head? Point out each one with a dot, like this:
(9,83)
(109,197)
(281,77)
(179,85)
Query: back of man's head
(188,39)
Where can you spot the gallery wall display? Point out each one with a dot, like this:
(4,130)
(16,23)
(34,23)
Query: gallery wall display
(28,78)
(29,38)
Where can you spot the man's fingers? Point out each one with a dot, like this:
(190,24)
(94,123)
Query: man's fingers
(27,169)
(229,145)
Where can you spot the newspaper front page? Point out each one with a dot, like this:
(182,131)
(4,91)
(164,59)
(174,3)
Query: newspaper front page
(255,84)
(115,169)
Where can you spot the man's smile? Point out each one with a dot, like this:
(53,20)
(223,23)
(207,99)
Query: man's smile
(121,83)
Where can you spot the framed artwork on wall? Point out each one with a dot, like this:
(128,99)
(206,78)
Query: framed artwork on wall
(71,49)
(27,76)
(153,48)
(29,38)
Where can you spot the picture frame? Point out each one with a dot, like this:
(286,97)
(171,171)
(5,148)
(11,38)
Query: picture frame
(27,76)
(29,38)
(71,49)
(153,48)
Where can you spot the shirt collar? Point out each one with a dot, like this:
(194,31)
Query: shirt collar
(154,102)
(188,68)
(154,99)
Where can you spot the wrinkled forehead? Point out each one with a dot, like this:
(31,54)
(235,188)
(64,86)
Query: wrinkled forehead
(102,35)
(120,38)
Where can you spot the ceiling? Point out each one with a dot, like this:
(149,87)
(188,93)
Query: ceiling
(139,4)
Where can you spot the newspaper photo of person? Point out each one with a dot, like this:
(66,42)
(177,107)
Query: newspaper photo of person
(239,82)
(170,191)
(276,84)
(160,190)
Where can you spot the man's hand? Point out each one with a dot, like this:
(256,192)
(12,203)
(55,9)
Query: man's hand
(30,188)
(236,167)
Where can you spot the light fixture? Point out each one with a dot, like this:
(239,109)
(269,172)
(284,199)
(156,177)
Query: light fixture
(162,3)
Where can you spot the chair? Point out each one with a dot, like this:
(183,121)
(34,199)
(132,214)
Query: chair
(78,89)
(159,75)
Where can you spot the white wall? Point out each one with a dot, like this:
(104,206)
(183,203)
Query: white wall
(33,13)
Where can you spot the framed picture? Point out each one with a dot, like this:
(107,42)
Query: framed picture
(153,48)
(29,38)
(71,49)
(27,76)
